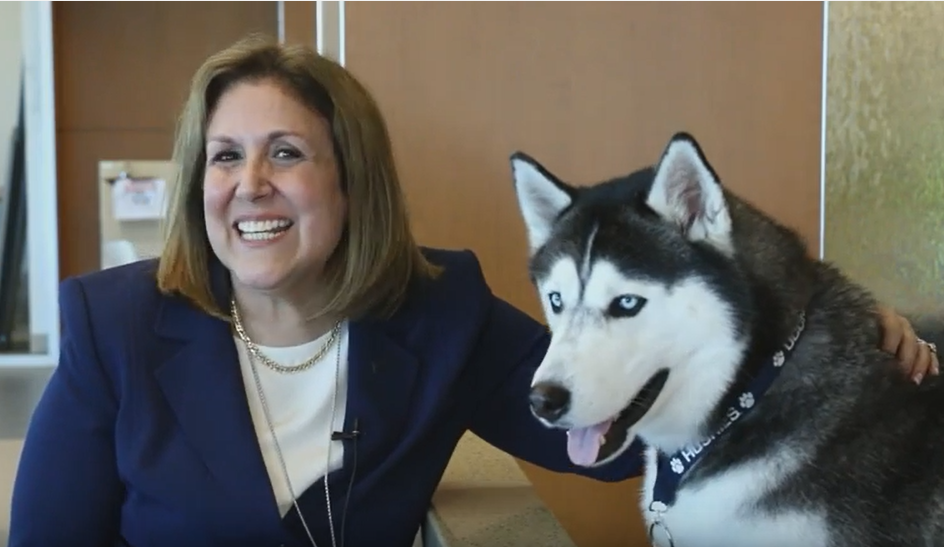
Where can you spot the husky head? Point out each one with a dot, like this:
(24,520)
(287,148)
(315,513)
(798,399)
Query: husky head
(639,285)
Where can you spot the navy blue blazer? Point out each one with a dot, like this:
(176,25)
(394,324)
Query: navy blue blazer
(143,436)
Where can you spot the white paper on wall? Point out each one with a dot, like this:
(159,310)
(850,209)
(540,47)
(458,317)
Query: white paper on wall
(138,198)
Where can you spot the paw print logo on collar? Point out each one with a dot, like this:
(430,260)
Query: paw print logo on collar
(746,400)
(676,465)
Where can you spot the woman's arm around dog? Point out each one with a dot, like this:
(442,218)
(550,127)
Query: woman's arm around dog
(917,357)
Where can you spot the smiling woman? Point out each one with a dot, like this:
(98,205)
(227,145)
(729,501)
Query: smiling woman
(273,202)
(276,121)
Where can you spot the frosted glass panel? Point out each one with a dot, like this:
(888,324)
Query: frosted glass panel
(884,181)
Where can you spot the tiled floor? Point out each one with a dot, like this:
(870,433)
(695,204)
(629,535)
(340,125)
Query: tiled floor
(19,392)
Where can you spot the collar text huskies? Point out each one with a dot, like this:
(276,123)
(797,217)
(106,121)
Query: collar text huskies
(671,468)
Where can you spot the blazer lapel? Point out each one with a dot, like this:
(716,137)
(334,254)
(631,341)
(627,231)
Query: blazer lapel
(202,383)
(382,374)
(382,377)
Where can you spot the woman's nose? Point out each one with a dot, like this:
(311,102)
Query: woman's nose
(253,180)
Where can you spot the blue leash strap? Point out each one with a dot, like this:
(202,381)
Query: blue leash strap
(671,469)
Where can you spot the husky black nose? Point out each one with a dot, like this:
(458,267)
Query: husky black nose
(549,400)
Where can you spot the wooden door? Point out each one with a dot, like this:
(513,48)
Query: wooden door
(592,90)
(122,73)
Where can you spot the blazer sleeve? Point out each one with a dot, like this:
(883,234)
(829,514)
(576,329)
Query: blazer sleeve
(510,350)
(67,491)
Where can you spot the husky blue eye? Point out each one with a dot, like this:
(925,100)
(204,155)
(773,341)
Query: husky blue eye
(557,303)
(626,305)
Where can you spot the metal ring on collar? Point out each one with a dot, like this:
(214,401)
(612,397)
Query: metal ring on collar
(663,531)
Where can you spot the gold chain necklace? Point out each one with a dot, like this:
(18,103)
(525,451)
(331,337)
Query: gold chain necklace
(254,349)
(254,352)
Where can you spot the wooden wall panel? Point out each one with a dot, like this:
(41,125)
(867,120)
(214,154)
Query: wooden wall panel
(592,90)
(122,74)
(300,20)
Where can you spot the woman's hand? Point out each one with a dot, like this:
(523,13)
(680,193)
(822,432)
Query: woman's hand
(916,356)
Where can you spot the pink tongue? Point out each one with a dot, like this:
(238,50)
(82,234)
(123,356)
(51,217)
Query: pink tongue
(583,443)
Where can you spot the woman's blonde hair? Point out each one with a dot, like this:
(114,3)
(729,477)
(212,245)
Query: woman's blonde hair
(376,258)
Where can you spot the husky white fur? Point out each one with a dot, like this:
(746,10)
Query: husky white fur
(690,321)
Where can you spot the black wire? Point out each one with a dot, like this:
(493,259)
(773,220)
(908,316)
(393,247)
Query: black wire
(350,485)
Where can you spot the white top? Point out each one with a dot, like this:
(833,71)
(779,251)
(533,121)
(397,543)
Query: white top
(300,408)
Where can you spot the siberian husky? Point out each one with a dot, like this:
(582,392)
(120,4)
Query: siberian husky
(686,319)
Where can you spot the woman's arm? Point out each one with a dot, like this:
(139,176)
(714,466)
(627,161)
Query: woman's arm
(67,490)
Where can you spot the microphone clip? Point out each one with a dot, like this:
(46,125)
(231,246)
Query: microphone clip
(344,435)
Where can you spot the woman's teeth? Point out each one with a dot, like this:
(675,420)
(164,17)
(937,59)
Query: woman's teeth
(257,230)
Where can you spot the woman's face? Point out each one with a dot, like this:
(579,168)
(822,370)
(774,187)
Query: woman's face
(271,196)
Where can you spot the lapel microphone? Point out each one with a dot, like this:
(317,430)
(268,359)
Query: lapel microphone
(348,436)
(345,435)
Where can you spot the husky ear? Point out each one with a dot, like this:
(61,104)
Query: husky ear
(541,197)
(687,193)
